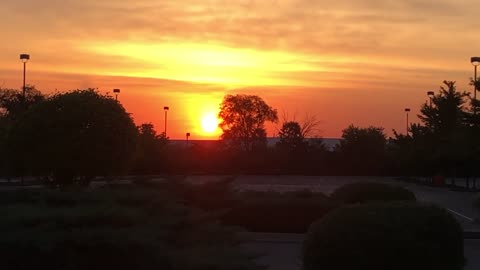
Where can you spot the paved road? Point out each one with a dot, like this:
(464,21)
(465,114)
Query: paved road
(283,251)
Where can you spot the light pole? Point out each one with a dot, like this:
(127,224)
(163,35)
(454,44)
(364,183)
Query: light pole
(24,58)
(430,95)
(406,111)
(188,135)
(475,60)
(116,91)
(166,108)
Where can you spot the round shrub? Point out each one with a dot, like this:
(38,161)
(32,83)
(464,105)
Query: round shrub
(361,192)
(379,236)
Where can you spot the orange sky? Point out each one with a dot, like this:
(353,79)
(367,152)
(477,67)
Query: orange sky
(359,62)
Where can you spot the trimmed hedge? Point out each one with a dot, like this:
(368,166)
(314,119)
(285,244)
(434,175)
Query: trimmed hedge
(291,212)
(379,236)
(119,228)
(361,192)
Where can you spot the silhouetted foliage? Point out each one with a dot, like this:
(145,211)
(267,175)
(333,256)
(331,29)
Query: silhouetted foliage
(243,121)
(362,192)
(12,103)
(76,134)
(444,144)
(395,236)
(446,115)
(151,151)
(290,212)
(112,228)
(291,137)
(362,150)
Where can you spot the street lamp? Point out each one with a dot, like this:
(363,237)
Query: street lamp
(406,111)
(188,135)
(430,95)
(116,91)
(24,58)
(166,108)
(475,60)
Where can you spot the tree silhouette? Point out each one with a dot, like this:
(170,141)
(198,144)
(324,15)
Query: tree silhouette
(12,103)
(76,134)
(446,115)
(150,147)
(363,149)
(291,136)
(243,121)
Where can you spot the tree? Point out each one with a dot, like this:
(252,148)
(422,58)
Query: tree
(243,121)
(12,106)
(447,114)
(363,149)
(291,136)
(80,134)
(150,147)
(12,103)
(448,124)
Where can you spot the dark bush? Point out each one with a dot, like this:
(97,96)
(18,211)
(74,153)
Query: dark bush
(361,192)
(212,195)
(379,236)
(119,227)
(290,212)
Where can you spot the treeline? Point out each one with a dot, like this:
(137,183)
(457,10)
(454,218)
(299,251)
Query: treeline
(444,143)
(82,134)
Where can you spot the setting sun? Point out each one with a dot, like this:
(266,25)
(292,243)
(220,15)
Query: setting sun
(209,123)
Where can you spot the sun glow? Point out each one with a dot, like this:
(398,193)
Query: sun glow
(209,123)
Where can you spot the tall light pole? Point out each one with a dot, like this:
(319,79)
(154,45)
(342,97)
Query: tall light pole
(430,95)
(24,58)
(406,111)
(166,108)
(116,91)
(475,60)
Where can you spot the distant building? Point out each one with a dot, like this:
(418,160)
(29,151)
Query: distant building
(330,143)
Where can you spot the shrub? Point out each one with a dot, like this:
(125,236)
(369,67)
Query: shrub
(379,236)
(118,228)
(213,195)
(361,192)
(290,212)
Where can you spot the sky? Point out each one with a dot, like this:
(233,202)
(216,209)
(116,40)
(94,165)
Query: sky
(344,62)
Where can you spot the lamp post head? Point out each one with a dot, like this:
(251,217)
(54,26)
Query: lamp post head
(475,60)
(407,109)
(188,134)
(430,93)
(116,91)
(166,108)
(24,57)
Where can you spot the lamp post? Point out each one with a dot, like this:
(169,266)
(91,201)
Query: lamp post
(116,91)
(475,60)
(188,135)
(406,111)
(430,95)
(24,58)
(166,108)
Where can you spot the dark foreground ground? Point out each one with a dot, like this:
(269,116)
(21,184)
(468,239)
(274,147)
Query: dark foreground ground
(282,251)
